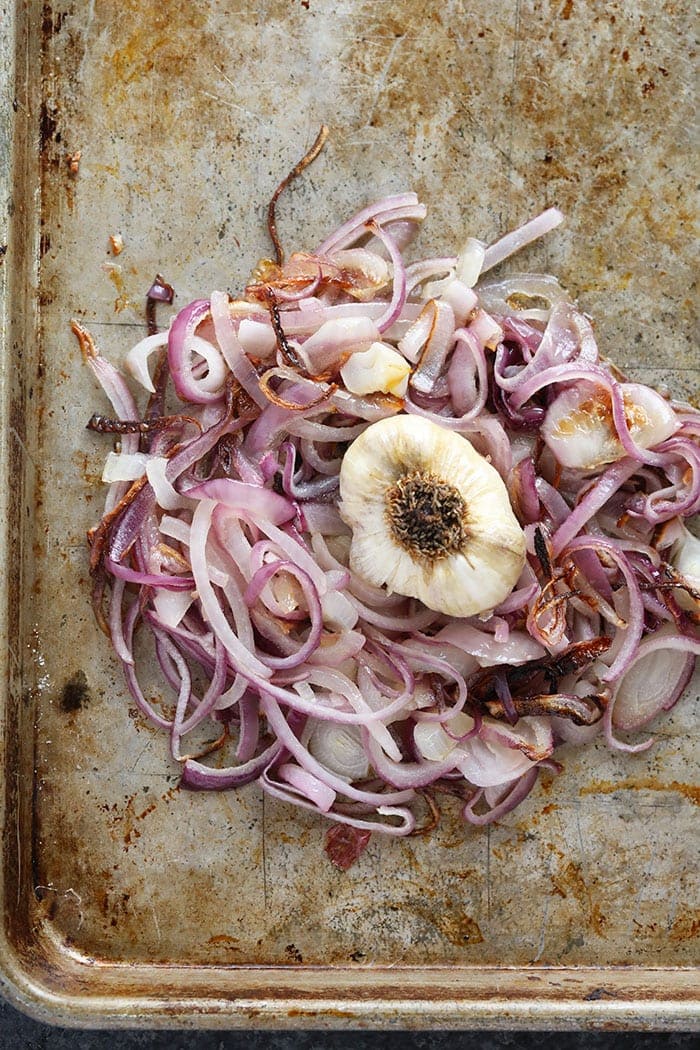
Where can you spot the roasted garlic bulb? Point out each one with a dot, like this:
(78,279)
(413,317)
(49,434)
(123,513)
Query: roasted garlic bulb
(430,517)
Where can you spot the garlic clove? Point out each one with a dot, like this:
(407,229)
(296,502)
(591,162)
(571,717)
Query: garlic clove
(334,340)
(379,369)
(124,466)
(685,559)
(430,517)
(580,431)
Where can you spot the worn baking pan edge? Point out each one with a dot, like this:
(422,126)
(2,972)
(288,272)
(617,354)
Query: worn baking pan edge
(287,997)
(39,975)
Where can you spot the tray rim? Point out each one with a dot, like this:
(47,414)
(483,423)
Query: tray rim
(57,986)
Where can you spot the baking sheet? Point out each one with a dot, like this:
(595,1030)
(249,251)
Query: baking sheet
(125,897)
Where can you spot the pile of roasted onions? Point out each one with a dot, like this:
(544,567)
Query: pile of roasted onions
(502,566)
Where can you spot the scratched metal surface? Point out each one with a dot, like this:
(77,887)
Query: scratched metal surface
(186,115)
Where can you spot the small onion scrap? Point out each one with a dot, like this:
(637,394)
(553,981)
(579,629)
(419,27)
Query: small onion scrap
(222,542)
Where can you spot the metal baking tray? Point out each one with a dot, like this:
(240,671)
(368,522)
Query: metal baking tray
(125,900)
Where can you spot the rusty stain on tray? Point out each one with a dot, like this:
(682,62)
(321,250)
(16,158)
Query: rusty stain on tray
(603,787)
(182,117)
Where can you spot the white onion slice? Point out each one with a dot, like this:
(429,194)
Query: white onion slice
(171,606)
(217,369)
(370,266)
(518,649)
(461,298)
(471,261)
(257,339)
(501,752)
(166,494)
(504,296)
(136,361)
(308,785)
(335,339)
(338,613)
(486,329)
(654,680)
(487,765)
(339,748)
(517,239)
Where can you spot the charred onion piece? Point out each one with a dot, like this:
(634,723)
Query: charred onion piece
(105,425)
(582,711)
(298,168)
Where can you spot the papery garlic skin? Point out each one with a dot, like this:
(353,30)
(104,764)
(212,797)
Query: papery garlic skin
(458,567)
(580,431)
(379,369)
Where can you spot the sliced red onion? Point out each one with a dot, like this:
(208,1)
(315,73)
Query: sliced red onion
(199,777)
(520,790)
(391,209)
(307,785)
(234,355)
(654,679)
(615,744)
(467,376)
(632,633)
(513,242)
(407,825)
(244,660)
(596,497)
(436,348)
(523,491)
(250,500)
(519,649)
(419,272)
(173,583)
(398,294)
(278,722)
(406,776)
(339,749)
(313,605)
(232,554)
(503,298)
(181,347)
(325,350)
(485,329)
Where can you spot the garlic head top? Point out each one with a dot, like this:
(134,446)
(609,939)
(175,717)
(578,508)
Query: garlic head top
(430,517)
